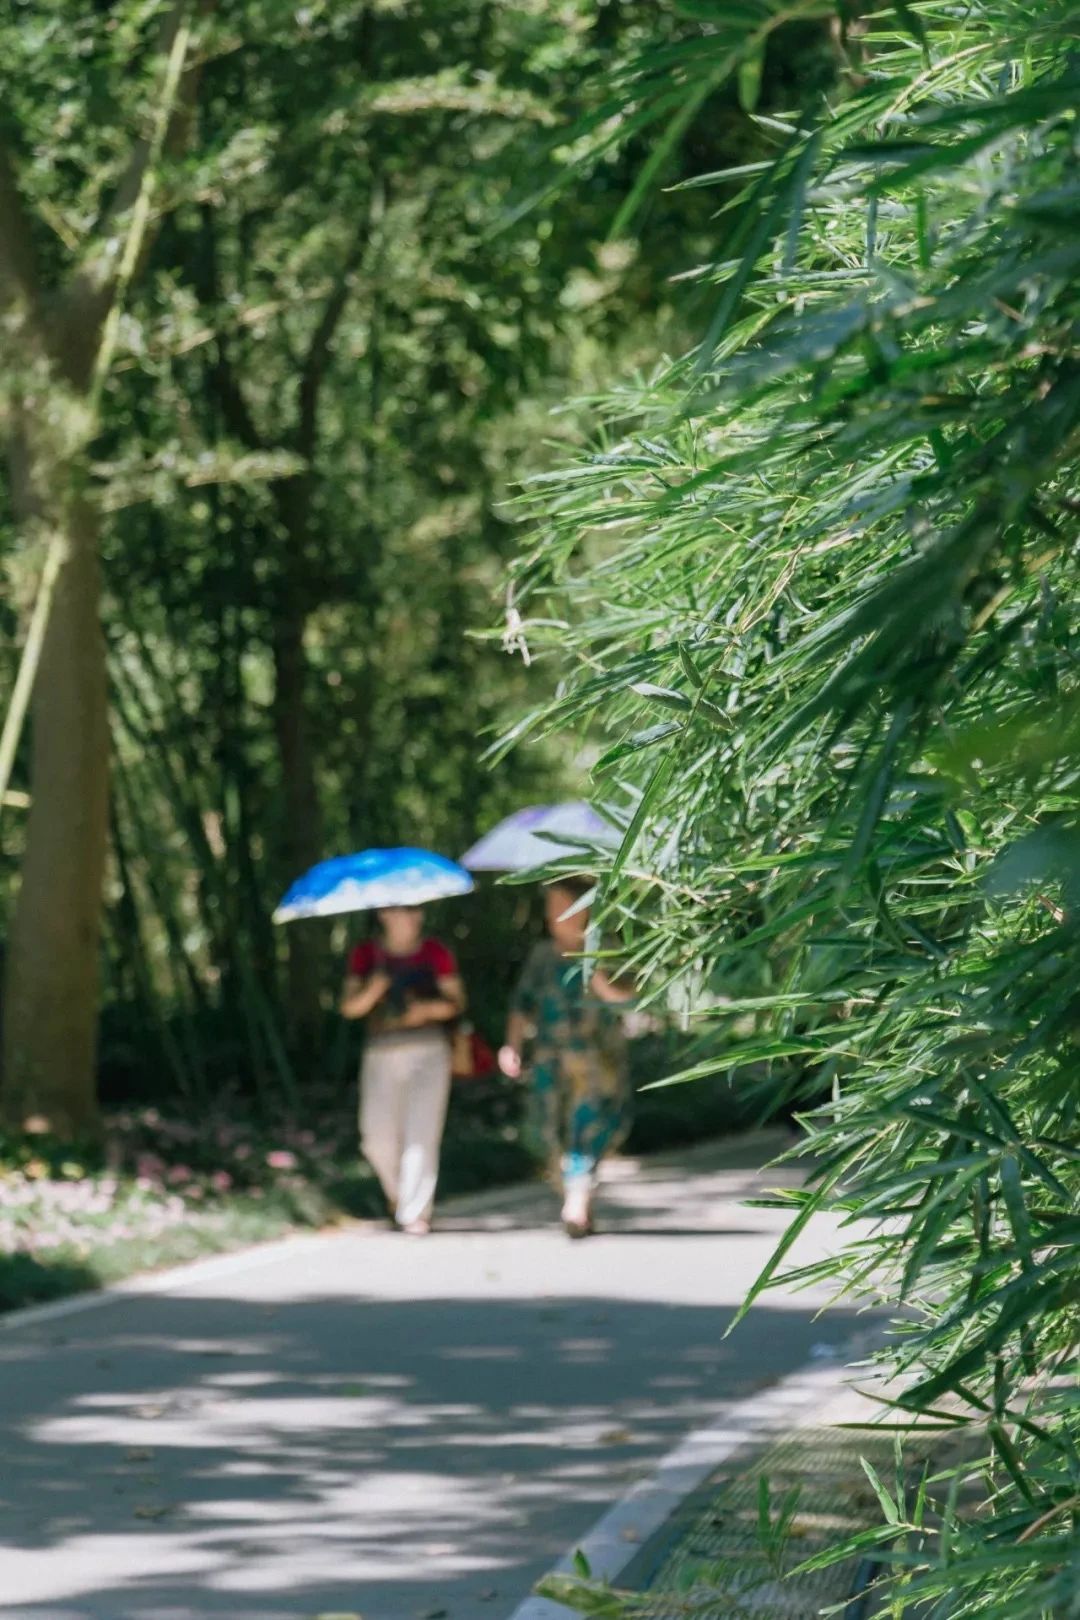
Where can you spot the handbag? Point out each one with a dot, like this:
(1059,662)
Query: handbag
(471,1058)
(461,1052)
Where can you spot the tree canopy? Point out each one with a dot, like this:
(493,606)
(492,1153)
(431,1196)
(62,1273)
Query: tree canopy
(283,338)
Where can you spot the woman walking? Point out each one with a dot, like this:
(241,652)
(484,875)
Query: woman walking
(408,988)
(566,1033)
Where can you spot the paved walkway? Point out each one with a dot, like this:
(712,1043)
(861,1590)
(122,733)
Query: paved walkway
(361,1423)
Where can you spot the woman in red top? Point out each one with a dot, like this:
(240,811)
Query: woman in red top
(408,988)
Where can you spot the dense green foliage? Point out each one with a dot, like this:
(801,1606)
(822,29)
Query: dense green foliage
(818,581)
(330,358)
(288,293)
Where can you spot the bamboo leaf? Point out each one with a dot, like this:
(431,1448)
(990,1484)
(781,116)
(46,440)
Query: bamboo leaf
(888,1506)
(749,79)
(661,155)
(665,696)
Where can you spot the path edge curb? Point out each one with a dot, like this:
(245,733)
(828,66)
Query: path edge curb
(619,1535)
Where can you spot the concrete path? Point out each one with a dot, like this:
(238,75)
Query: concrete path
(364,1424)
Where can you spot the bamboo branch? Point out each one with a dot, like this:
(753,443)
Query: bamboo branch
(93,301)
(1048,1518)
(28,663)
(146,170)
(168,119)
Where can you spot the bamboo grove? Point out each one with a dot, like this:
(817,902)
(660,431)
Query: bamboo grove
(817,582)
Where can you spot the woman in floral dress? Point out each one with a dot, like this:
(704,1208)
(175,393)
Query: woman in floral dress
(566,1036)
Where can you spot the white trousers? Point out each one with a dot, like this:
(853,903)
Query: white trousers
(404,1091)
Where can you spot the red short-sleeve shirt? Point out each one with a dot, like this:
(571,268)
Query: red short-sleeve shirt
(430,956)
(412,978)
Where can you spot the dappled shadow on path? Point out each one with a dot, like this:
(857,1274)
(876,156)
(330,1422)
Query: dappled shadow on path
(193,1456)
(363,1425)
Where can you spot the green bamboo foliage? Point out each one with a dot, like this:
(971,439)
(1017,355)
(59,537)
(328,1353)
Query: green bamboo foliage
(818,585)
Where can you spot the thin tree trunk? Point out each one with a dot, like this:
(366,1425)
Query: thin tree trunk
(250,881)
(53,966)
(302,835)
(303,830)
(300,844)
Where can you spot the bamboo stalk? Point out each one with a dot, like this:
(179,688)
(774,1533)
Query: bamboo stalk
(138,224)
(57,551)
(159,889)
(128,910)
(264,1037)
(28,665)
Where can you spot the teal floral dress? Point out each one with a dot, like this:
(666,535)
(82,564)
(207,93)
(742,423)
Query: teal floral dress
(576,1062)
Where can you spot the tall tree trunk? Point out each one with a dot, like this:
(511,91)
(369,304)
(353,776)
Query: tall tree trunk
(53,966)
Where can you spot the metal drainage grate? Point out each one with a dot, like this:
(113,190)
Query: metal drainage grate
(710,1561)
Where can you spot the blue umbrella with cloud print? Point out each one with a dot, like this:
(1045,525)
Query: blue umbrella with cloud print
(373,878)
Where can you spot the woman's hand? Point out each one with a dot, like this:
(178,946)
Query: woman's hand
(418,1014)
(609,990)
(361,995)
(518,1032)
(510,1062)
(441,1009)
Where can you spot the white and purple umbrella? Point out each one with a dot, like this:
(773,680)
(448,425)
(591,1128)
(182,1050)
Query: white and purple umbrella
(539,835)
(373,878)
